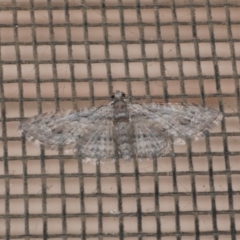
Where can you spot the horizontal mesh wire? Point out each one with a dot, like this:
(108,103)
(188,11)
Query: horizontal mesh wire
(68,54)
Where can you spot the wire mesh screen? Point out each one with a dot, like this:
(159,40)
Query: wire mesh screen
(68,54)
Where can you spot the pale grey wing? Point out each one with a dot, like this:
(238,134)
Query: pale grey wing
(97,144)
(149,140)
(65,128)
(178,121)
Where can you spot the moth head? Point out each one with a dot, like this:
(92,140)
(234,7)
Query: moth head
(118,95)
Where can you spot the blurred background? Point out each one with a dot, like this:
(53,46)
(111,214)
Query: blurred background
(67,54)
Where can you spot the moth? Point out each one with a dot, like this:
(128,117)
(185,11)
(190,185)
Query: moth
(121,129)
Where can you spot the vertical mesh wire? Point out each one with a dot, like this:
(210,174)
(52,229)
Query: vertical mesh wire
(64,54)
